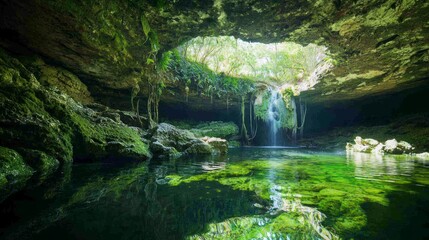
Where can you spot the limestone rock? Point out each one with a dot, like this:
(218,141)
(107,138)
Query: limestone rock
(391,146)
(47,127)
(371,142)
(167,140)
(219,144)
(199,148)
(40,161)
(405,147)
(369,145)
(378,149)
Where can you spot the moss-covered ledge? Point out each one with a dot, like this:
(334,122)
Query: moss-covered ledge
(42,128)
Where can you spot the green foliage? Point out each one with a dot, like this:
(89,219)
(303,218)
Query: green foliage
(204,81)
(287,95)
(261,109)
(154,43)
(218,129)
(165,60)
(281,63)
(285,111)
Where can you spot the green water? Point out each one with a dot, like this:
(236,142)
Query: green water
(253,193)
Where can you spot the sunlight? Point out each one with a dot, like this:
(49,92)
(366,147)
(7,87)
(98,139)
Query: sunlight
(280,64)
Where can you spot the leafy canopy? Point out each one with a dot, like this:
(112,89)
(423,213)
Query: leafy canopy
(279,64)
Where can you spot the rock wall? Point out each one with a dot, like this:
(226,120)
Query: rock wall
(41,127)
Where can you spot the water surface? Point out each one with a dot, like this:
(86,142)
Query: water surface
(253,193)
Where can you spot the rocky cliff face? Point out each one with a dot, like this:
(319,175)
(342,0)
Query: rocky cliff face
(378,46)
(42,128)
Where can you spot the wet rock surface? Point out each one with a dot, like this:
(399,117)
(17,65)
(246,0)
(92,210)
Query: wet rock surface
(41,128)
(169,141)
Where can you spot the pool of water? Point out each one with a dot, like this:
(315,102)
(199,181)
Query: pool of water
(253,193)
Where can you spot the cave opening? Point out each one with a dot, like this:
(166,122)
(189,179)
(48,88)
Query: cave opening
(232,72)
(214,119)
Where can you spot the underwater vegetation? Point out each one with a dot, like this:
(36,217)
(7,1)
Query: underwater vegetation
(253,193)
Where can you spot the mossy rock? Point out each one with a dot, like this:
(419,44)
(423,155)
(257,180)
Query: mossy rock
(14,172)
(106,139)
(217,129)
(40,161)
(49,128)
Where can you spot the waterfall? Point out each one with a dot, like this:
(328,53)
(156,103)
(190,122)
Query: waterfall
(275,105)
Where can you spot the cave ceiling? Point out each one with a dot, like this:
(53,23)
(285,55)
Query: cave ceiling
(379,46)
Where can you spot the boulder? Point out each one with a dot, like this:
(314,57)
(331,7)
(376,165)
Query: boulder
(167,140)
(199,147)
(359,146)
(391,146)
(371,142)
(395,147)
(218,144)
(405,147)
(369,145)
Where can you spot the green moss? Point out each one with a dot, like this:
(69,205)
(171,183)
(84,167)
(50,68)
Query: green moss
(285,110)
(234,144)
(14,172)
(40,161)
(218,129)
(107,139)
(330,188)
(27,109)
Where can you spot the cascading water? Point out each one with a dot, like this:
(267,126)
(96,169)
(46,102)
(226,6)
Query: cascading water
(276,105)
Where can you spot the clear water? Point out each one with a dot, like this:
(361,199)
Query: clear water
(253,193)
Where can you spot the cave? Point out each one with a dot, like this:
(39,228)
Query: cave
(215,119)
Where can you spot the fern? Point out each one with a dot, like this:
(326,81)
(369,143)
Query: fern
(165,60)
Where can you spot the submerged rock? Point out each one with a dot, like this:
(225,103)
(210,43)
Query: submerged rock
(369,145)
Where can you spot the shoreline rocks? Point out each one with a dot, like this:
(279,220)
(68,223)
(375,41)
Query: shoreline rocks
(168,141)
(369,145)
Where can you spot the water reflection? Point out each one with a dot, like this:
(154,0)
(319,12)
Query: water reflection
(257,193)
(380,167)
